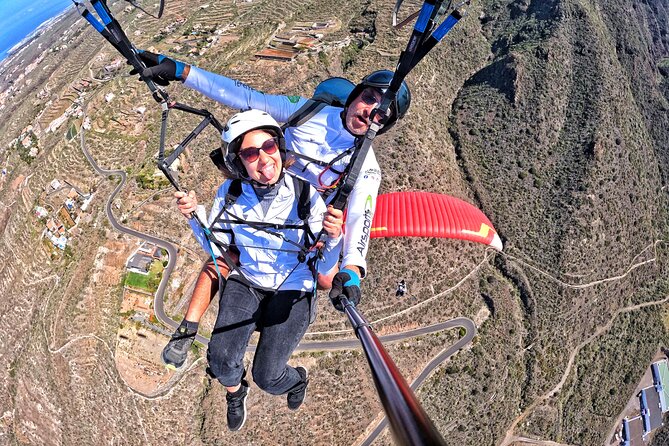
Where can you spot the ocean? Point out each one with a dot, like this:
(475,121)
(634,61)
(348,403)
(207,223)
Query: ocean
(19,18)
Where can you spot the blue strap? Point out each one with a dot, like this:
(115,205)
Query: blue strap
(102,12)
(424,17)
(444,28)
(89,17)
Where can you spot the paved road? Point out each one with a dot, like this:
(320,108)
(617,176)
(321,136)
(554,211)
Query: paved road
(158,306)
(158,302)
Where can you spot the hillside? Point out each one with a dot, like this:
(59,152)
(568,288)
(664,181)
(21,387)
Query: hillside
(549,115)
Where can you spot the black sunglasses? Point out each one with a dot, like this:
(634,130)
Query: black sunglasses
(369,98)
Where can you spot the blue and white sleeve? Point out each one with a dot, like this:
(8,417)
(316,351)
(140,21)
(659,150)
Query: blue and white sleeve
(236,94)
(360,213)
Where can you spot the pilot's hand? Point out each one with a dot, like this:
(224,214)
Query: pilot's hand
(345,283)
(162,69)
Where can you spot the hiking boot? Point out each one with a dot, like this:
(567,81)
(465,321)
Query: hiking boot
(237,407)
(175,352)
(297,394)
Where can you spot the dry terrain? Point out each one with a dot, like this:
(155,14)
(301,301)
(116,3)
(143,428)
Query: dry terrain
(549,115)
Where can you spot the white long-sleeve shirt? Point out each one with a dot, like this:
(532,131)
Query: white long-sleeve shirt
(261,254)
(323,137)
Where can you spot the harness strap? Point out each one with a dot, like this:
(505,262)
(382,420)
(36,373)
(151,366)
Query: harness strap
(328,165)
(303,114)
(303,212)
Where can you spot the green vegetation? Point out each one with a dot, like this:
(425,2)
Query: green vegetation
(71,131)
(137,280)
(351,53)
(323,58)
(24,152)
(604,383)
(148,179)
(663,66)
(148,282)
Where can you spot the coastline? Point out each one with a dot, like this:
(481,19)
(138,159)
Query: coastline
(44,26)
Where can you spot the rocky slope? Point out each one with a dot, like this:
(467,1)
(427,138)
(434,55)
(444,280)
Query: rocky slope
(550,115)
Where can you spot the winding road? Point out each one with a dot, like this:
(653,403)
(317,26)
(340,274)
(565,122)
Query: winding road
(347,344)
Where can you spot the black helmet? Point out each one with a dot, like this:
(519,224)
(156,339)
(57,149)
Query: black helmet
(381,81)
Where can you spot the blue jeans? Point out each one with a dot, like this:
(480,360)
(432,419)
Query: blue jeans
(281,316)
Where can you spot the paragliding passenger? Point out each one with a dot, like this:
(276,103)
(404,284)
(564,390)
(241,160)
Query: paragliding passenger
(322,147)
(272,288)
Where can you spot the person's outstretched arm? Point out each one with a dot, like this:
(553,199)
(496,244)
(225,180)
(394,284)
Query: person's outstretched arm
(238,95)
(235,94)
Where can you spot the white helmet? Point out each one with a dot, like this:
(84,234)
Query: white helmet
(233,134)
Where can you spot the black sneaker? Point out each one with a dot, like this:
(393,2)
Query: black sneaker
(237,407)
(175,352)
(297,394)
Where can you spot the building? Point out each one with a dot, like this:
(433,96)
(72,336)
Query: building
(273,54)
(40,212)
(52,226)
(139,263)
(633,432)
(651,412)
(66,218)
(660,371)
(151,250)
(59,241)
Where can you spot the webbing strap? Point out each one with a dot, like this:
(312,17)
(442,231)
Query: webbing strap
(303,114)
(421,41)
(302,192)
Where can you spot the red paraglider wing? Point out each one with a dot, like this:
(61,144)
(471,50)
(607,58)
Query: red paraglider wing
(425,214)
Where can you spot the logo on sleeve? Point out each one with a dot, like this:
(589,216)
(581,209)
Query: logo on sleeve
(366,227)
(373,174)
(241,84)
(293,99)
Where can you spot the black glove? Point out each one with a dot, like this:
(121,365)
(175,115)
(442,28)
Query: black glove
(161,69)
(347,283)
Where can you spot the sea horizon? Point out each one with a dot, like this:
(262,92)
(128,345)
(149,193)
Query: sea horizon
(21,20)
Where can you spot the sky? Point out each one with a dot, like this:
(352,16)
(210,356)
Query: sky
(18,18)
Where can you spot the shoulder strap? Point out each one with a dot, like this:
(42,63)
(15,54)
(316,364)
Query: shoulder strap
(231,196)
(234,191)
(303,198)
(304,113)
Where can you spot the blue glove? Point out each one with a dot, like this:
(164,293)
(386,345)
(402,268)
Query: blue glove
(161,69)
(346,283)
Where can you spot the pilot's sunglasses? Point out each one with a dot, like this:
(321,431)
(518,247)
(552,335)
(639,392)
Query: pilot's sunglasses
(369,98)
(251,154)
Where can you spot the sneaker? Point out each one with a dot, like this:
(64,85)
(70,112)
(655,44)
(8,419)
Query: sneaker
(175,352)
(298,393)
(237,407)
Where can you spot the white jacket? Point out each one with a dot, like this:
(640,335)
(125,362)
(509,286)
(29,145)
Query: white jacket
(323,137)
(261,262)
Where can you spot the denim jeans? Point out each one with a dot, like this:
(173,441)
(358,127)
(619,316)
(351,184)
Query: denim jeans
(282,317)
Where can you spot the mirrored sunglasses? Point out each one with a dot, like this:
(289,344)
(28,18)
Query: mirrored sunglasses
(369,97)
